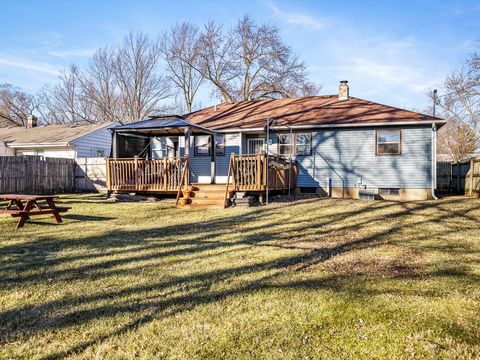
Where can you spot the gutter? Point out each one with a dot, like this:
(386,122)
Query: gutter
(33,145)
(326,126)
(434,160)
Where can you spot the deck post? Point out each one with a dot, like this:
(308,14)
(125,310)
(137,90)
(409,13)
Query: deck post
(187,170)
(114,145)
(135,171)
(212,159)
(108,179)
(187,133)
(187,136)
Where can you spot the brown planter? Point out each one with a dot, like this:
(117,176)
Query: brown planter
(184,201)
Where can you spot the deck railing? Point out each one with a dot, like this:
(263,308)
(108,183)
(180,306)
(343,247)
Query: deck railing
(145,175)
(249,172)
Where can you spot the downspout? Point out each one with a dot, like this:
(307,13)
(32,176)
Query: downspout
(268,170)
(290,169)
(434,160)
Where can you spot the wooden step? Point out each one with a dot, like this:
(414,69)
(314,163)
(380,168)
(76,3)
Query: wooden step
(210,186)
(208,201)
(202,206)
(210,194)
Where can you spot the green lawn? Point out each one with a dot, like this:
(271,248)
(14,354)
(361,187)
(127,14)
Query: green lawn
(316,278)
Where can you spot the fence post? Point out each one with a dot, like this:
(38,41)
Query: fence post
(472,170)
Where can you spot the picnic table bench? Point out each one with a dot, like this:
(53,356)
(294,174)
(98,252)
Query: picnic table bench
(24,206)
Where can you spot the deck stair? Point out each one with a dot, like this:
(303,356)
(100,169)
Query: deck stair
(209,196)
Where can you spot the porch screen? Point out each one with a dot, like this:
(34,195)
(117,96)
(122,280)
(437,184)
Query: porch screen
(131,146)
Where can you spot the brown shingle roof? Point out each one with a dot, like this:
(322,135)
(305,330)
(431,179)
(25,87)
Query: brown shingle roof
(313,110)
(47,134)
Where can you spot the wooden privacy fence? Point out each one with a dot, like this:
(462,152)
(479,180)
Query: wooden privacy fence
(472,179)
(36,175)
(451,176)
(91,174)
(145,175)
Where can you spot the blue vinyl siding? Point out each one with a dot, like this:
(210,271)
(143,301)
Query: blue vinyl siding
(200,165)
(345,155)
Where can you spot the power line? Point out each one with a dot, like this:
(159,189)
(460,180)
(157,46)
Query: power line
(475,102)
(455,92)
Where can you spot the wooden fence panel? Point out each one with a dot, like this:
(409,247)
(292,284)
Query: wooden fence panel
(36,175)
(91,174)
(451,176)
(472,179)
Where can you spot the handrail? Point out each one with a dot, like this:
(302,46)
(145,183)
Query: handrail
(145,174)
(184,173)
(230,168)
(249,172)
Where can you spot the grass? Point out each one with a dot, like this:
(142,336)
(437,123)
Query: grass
(316,278)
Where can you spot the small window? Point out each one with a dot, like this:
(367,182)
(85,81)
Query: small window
(388,142)
(220,144)
(389,191)
(202,145)
(98,152)
(308,190)
(285,146)
(303,144)
(39,152)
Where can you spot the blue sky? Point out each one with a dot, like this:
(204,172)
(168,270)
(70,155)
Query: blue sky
(389,51)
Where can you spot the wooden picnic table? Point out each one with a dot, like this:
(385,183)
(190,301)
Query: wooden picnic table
(24,206)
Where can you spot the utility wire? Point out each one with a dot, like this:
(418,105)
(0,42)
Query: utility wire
(455,92)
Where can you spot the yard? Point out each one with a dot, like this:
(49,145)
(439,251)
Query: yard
(316,278)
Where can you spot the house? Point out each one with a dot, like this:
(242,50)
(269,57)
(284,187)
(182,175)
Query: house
(336,145)
(61,141)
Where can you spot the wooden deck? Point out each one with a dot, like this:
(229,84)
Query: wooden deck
(246,173)
(249,173)
(142,175)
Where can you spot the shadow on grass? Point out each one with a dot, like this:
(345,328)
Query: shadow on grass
(331,234)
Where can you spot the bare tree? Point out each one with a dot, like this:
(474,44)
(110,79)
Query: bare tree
(140,84)
(251,62)
(66,102)
(457,140)
(122,84)
(181,53)
(461,106)
(217,63)
(100,86)
(15,106)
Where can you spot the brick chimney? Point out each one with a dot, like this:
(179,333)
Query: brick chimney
(31,121)
(343,92)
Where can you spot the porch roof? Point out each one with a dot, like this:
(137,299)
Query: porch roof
(163,125)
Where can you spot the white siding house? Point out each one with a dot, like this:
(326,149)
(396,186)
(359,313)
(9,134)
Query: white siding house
(60,141)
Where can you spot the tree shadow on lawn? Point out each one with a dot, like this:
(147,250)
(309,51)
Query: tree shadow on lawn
(333,235)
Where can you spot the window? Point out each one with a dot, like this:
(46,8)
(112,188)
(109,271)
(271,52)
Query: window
(388,142)
(389,191)
(300,145)
(162,147)
(303,144)
(39,152)
(202,145)
(285,146)
(308,190)
(98,152)
(220,144)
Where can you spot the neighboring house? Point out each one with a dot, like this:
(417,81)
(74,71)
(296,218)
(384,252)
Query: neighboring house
(340,144)
(60,141)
